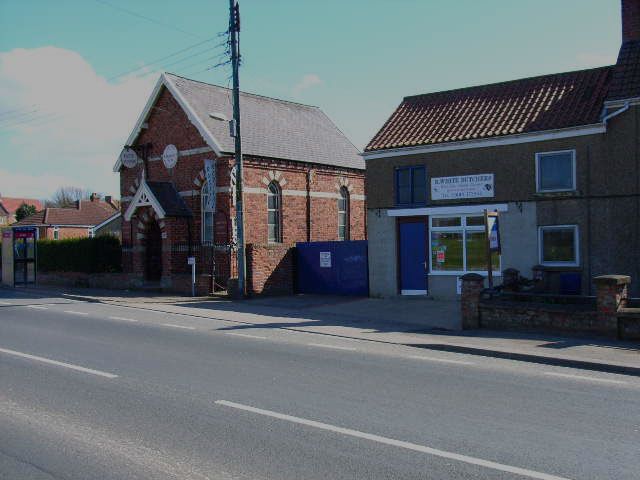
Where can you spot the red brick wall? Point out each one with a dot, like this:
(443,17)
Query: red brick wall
(323,213)
(270,269)
(64,232)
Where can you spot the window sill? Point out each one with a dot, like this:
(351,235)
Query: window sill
(557,194)
(561,268)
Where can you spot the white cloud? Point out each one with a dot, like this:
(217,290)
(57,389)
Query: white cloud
(308,81)
(84,120)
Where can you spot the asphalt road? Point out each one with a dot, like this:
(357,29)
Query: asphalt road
(95,391)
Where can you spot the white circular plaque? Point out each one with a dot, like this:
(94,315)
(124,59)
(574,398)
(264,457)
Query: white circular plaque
(170,156)
(129,158)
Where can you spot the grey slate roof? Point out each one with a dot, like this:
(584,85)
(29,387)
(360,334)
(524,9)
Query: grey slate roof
(270,127)
(169,198)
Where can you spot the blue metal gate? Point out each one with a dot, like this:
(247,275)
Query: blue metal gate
(337,268)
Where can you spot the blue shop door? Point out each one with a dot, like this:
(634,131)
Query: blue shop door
(413,246)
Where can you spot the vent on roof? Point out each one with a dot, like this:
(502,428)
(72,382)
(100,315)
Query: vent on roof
(218,116)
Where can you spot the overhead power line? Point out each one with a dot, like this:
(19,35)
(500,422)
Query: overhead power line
(34,121)
(19,114)
(149,19)
(154,62)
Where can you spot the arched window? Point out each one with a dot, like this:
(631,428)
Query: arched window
(206,213)
(343,214)
(274,213)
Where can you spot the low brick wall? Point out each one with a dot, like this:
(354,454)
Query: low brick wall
(181,283)
(270,269)
(609,313)
(528,316)
(629,323)
(115,281)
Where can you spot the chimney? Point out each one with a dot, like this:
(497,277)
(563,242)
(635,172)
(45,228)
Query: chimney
(94,196)
(107,198)
(630,20)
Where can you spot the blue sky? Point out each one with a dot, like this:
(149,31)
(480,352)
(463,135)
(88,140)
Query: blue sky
(64,117)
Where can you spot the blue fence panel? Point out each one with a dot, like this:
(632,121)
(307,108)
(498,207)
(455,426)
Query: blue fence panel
(336,268)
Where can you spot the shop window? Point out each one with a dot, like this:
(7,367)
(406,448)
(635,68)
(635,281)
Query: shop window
(458,245)
(343,214)
(559,245)
(207,214)
(556,171)
(274,213)
(411,186)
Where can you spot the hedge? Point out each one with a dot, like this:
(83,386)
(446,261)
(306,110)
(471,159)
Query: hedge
(88,255)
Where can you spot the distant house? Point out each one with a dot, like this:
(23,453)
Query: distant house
(9,205)
(88,218)
(558,157)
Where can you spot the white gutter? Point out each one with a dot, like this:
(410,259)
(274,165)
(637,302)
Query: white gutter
(514,139)
(624,108)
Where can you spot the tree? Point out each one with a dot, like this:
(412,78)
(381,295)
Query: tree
(24,211)
(66,197)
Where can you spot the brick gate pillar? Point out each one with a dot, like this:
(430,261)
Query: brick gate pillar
(612,294)
(472,285)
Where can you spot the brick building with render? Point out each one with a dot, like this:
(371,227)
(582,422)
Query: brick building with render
(303,180)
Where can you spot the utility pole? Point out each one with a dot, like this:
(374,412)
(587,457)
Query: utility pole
(234,31)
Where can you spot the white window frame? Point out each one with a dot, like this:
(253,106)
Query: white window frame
(205,190)
(463,228)
(573,168)
(56,233)
(91,232)
(277,210)
(576,245)
(344,195)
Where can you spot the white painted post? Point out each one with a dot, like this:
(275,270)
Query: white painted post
(192,261)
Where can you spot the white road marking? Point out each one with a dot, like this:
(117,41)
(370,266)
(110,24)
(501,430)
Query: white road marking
(59,364)
(396,443)
(123,319)
(584,377)
(172,325)
(335,347)
(37,307)
(246,335)
(443,360)
(5,303)
(73,312)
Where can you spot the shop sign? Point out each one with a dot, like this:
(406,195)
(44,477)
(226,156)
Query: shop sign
(24,234)
(170,156)
(129,157)
(460,187)
(325,259)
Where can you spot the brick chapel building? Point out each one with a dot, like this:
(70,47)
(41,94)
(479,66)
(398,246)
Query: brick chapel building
(303,180)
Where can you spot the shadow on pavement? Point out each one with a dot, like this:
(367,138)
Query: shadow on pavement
(523,357)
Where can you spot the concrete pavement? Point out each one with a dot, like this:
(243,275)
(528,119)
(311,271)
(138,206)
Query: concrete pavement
(196,397)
